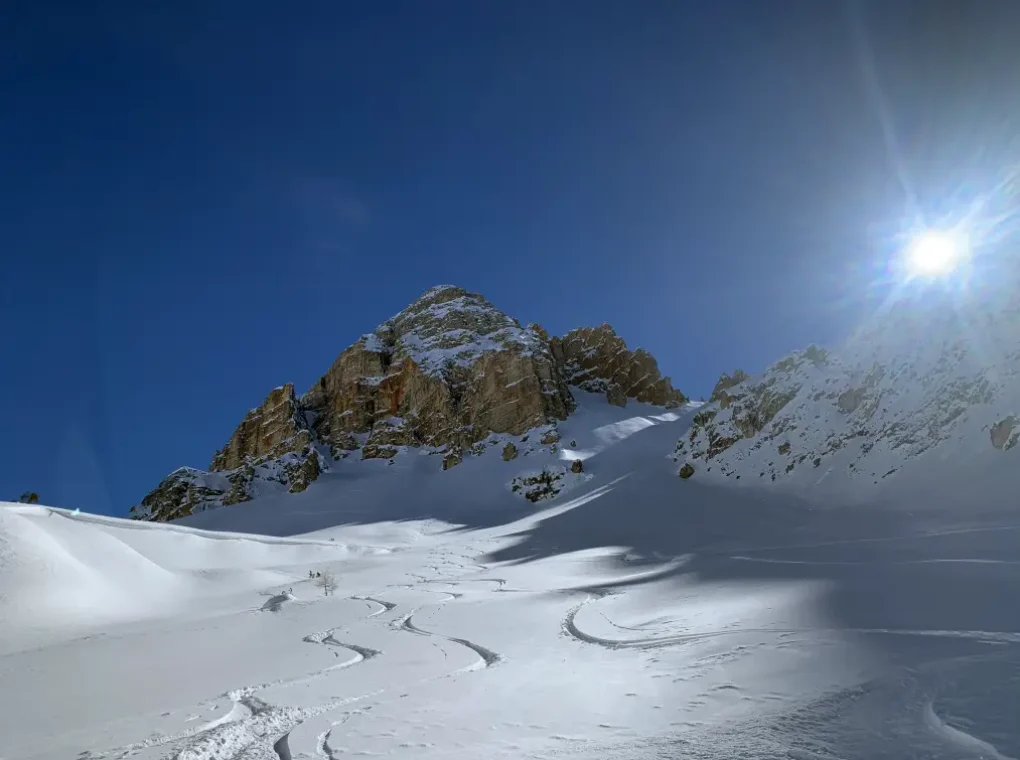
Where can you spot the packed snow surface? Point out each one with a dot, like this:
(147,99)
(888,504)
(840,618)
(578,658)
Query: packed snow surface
(636,616)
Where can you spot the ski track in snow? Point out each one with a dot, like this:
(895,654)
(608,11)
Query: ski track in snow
(255,730)
(383,606)
(569,626)
(488,657)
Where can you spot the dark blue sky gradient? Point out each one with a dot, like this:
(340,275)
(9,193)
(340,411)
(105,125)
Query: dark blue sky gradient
(203,200)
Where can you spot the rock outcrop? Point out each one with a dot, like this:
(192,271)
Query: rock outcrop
(444,374)
(724,384)
(1004,433)
(452,458)
(268,431)
(182,492)
(596,359)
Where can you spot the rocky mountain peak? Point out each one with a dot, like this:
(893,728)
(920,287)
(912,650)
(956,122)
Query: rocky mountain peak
(444,374)
(450,326)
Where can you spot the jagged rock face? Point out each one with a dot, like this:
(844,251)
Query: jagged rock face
(925,387)
(446,372)
(182,492)
(724,384)
(596,359)
(267,432)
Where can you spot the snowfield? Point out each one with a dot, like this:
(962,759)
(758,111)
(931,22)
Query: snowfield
(635,616)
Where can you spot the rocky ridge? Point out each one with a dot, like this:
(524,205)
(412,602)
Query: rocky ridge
(932,382)
(442,376)
(596,359)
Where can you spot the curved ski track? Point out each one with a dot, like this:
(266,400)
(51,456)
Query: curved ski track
(570,627)
(253,728)
(488,657)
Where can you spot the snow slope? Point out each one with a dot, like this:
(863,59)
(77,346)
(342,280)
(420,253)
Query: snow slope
(66,574)
(634,616)
(922,402)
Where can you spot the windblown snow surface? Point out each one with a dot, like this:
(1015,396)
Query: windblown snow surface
(635,616)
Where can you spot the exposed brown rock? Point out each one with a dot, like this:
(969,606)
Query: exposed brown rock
(342,444)
(703,418)
(424,367)
(686,471)
(180,494)
(594,358)
(539,486)
(372,451)
(577,466)
(726,382)
(550,437)
(615,395)
(717,444)
(452,459)
(302,473)
(762,405)
(509,452)
(240,482)
(849,400)
(268,431)
(1002,433)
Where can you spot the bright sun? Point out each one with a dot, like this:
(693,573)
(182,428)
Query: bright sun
(935,254)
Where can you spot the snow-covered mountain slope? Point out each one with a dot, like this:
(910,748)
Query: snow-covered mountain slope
(444,375)
(480,490)
(923,399)
(636,616)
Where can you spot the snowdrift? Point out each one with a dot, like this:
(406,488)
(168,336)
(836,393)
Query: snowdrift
(61,570)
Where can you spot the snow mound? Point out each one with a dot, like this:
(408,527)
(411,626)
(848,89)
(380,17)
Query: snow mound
(62,571)
(274,603)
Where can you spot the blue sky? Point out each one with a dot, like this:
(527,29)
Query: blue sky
(203,200)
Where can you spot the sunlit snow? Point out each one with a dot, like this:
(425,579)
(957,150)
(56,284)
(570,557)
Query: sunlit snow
(637,616)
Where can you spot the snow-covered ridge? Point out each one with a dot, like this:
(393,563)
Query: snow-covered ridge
(935,382)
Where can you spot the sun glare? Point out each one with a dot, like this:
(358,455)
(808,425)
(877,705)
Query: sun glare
(935,254)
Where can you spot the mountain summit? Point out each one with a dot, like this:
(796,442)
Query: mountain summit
(444,374)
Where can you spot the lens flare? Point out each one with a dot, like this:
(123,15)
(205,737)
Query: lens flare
(934,253)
